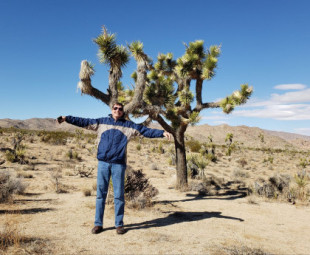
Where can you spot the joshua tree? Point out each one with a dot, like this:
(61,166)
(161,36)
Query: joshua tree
(162,89)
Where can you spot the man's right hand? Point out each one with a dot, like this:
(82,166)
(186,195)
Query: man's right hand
(61,119)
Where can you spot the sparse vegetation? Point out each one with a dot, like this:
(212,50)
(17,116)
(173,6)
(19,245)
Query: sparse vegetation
(138,190)
(196,165)
(73,155)
(230,178)
(10,185)
(87,192)
(84,171)
(17,154)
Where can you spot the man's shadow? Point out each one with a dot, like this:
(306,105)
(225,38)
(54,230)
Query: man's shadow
(176,218)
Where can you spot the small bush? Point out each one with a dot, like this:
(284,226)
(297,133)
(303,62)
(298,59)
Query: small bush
(73,155)
(10,236)
(275,186)
(196,165)
(56,176)
(9,186)
(242,162)
(84,171)
(302,180)
(194,145)
(55,138)
(87,192)
(138,147)
(268,160)
(138,191)
(160,149)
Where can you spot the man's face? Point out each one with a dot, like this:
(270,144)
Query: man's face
(117,111)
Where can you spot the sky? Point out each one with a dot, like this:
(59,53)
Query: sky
(264,43)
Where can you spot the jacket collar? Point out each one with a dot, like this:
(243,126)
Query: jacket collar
(121,118)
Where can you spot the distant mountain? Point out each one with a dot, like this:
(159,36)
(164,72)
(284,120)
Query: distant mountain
(37,124)
(248,136)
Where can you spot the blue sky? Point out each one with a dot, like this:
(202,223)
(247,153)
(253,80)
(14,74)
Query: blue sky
(264,43)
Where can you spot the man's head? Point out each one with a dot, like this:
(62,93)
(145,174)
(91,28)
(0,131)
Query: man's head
(117,110)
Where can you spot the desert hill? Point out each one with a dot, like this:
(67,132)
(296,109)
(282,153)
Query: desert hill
(244,135)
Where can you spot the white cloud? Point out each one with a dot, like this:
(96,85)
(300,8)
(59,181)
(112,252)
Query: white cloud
(214,117)
(279,112)
(302,131)
(292,97)
(290,86)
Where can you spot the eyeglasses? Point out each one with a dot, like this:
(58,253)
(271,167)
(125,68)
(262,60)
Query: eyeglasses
(118,108)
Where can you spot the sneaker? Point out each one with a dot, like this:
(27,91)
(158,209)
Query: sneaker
(120,230)
(97,230)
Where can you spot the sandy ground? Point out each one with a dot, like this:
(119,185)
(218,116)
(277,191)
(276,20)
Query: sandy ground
(178,223)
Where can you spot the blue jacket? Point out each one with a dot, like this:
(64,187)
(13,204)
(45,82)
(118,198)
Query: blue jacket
(113,136)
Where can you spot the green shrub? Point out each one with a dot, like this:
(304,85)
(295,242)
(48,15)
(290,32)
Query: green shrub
(196,165)
(193,145)
(73,155)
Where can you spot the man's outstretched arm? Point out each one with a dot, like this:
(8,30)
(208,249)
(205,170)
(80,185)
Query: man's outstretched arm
(91,124)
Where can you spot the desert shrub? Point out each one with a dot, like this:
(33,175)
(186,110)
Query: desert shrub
(171,156)
(160,148)
(17,154)
(243,250)
(207,185)
(230,144)
(303,163)
(268,160)
(10,185)
(193,145)
(138,190)
(242,162)
(55,138)
(84,171)
(201,188)
(56,176)
(138,147)
(211,157)
(196,165)
(87,192)
(302,180)
(240,173)
(275,186)
(73,155)
(10,236)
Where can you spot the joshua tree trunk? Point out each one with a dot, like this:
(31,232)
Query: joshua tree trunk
(181,168)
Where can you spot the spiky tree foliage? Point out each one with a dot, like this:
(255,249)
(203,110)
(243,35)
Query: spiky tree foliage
(162,89)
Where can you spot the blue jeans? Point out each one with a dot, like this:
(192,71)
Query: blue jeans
(105,171)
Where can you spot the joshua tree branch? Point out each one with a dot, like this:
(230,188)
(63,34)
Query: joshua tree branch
(199,92)
(164,124)
(198,108)
(87,88)
(139,88)
(85,83)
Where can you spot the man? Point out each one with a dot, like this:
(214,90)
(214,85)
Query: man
(114,133)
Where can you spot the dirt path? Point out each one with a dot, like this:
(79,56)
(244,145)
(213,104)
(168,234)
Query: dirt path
(179,223)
